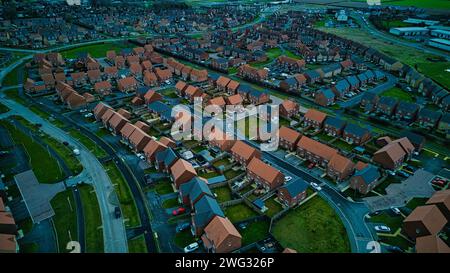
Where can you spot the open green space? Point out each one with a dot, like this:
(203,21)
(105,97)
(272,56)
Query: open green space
(96,50)
(170,203)
(272,54)
(163,187)
(137,245)
(92,220)
(127,204)
(65,153)
(45,167)
(221,162)
(239,212)
(209,175)
(88,143)
(430,4)
(312,227)
(13,77)
(223,194)
(183,238)
(273,207)
(341,144)
(229,174)
(255,232)
(398,94)
(65,219)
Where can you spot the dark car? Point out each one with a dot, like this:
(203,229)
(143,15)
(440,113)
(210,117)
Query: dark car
(182,226)
(410,168)
(117,212)
(66,143)
(403,174)
(394,249)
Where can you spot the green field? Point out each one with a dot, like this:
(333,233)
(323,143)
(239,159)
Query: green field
(65,219)
(435,70)
(127,204)
(431,4)
(223,194)
(239,212)
(312,227)
(137,245)
(273,207)
(88,143)
(163,187)
(45,167)
(399,94)
(254,232)
(96,50)
(92,220)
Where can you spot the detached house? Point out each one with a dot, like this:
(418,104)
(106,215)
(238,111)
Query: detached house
(424,221)
(394,153)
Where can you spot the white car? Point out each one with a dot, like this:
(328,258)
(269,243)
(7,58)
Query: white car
(287,178)
(382,229)
(316,186)
(88,115)
(396,210)
(191,247)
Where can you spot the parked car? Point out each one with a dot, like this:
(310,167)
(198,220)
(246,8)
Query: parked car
(311,165)
(438,182)
(396,210)
(382,228)
(410,168)
(394,249)
(66,143)
(403,174)
(117,212)
(178,211)
(316,186)
(191,247)
(287,178)
(182,226)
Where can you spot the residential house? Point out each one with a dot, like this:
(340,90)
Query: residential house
(314,118)
(222,83)
(288,108)
(365,179)
(221,236)
(180,87)
(291,194)
(369,101)
(151,149)
(181,172)
(315,151)
(165,159)
(334,126)
(387,106)
(128,84)
(193,190)
(341,88)
(288,138)
(442,200)
(340,168)
(232,87)
(407,110)
(264,175)
(423,221)
(355,134)
(103,88)
(100,109)
(324,97)
(116,123)
(290,64)
(243,153)
(394,153)
(152,96)
(139,140)
(204,211)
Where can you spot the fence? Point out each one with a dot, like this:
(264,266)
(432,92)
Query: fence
(231,202)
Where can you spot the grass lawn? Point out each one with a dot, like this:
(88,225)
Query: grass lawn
(209,175)
(137,245)
(273,207)
(232,173)
(163,187)
(3,109)
(65,153)
(399,94)
(223,194)
(170,203)
(272,54)
(88,143)
(127,204)
(232,70)
(12,78)
(92,220)
(291,54)
(394,222)
(416,202)
(254,232)
(404,54)
(342,145)
(324,137)
(222,162)
(65,219)
(45,167)
(312,227)
(432,4)
(96,51)
(184,238)
(239,212)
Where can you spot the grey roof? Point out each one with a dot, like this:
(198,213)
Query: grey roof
(312,74)
(352,80)
(445,118)
(327,93)
(414,138)
(342,86)
(429,114)
(355,130)
(335,122)
(369,174)
(205,209)
(295,187)
(389,101)
(408,107)
(198,188)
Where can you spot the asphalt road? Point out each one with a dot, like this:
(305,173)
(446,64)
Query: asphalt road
(364,23)
(113,229)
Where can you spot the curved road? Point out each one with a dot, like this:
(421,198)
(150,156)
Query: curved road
(364,23)
(113,229)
